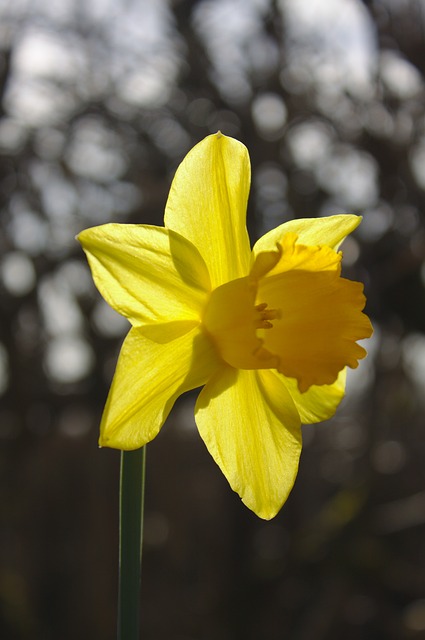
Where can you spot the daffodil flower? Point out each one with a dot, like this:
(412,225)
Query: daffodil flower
(266,332)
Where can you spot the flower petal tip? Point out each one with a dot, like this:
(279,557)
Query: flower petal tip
(267,514)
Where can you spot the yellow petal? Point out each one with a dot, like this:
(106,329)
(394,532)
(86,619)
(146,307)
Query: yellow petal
(207,205)
(330,231)
(148,274)
(319,402)
(320,316)
(289,255)
(251,428)
(148,379)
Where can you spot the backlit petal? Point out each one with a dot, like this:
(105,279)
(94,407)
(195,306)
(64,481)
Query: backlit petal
(148,379)
(207,205)
(148,274)
(252,429)
(318,403)
(289,255)
(330,231)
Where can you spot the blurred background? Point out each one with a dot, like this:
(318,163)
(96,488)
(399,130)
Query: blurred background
(100,101)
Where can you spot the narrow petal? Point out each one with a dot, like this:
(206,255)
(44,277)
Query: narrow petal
(148,274)
(330,231)
(148,379)
(252,429)
(207,205)
(319,402)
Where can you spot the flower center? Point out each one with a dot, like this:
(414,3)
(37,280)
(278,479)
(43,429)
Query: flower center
(232,319)
(265,315)
(315,337)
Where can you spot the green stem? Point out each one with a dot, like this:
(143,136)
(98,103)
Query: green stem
(132,490)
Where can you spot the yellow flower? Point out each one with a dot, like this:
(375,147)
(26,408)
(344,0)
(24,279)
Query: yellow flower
(269,332)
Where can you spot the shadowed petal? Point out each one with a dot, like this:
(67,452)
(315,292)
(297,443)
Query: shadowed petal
(319,402)
(207,205)
(148,274)
(252,429)
(148,379)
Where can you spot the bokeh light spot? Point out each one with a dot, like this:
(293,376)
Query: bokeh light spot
(68,359)
(18,273)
